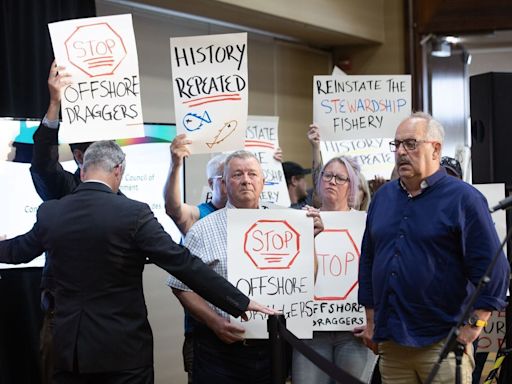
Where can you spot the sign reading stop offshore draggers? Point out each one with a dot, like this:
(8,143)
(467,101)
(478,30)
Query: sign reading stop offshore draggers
(338,249)
(271,260)
(103,101)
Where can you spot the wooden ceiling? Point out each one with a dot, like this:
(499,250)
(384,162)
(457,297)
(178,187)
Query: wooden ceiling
(462,16)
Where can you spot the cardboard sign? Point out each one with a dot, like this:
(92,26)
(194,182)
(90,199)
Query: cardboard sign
(270,259)
(103,102)
(261,138)
(493,333)
(373,154)
(355,107)
(338,252)
(210,88)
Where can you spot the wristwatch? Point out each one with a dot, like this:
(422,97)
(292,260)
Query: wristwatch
(475,322)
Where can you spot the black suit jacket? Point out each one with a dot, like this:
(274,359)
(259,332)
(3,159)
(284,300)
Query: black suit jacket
(99,242)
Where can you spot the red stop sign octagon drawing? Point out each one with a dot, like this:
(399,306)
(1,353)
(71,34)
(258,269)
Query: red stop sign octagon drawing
(272,244)
(342,266)
(95,49)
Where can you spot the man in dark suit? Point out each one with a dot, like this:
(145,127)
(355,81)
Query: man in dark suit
(98,242)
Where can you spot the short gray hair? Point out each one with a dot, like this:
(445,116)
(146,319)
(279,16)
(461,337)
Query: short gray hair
(435,130)
(240,154)
(105,155)
(215,166)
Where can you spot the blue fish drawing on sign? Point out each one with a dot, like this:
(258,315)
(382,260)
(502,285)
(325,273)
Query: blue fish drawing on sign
(193,121)
(224,132)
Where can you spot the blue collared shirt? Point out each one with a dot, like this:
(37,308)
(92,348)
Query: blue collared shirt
(418,255)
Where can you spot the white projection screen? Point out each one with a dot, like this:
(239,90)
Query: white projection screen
(147,167)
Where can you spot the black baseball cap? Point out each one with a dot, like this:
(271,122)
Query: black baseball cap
(293,169)
(452,166)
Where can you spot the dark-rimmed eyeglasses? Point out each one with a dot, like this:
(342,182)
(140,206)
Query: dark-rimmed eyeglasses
(339,180)
(409,144)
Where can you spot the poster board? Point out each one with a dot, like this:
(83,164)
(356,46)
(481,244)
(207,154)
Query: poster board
(262,139)
(338,252)
(210,87)
(356,107)
(494,331)
(103,101)
(270,259)
(373,154)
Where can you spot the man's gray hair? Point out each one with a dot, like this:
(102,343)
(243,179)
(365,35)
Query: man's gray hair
(240,154)
(435,131)
(105,155)
(215,166)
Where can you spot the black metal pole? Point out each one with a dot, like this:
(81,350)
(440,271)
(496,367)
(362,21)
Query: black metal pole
(277,346)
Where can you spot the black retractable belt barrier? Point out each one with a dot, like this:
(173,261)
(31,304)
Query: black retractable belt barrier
(277,321)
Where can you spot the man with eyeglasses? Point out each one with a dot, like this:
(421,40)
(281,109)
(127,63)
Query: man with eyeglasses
(427,236)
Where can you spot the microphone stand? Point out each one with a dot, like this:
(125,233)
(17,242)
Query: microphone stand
(451,340)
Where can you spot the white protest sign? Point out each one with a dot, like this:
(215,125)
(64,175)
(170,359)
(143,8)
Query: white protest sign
(338,252)
(372,154)
(261,138)
(271,259)
(210,88)
(355,107)
(494,331)
(103,102)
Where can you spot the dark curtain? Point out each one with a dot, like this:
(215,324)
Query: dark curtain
(27,52)
(24,64)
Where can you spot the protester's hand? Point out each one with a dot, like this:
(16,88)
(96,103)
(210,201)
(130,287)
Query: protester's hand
(318,224)
(468,334)
(58,78)
(376,183)
(3,237)
(257,307)
(228,332)
(180,149)
(365,333)
(314,136)
(278,155)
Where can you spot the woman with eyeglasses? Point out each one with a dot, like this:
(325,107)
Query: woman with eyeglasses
(338,189)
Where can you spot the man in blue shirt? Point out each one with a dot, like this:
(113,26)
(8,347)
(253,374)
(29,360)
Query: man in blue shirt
(427,237)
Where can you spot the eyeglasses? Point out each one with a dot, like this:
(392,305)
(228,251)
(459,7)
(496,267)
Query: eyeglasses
(338,180)
(409,144)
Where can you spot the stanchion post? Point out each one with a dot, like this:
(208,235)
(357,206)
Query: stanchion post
(277,346)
